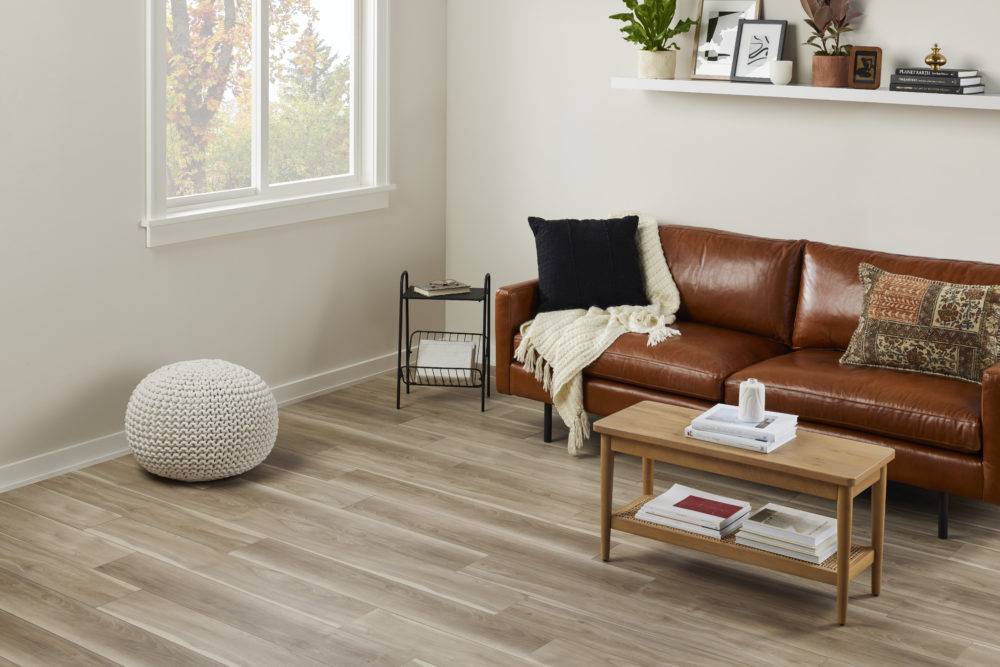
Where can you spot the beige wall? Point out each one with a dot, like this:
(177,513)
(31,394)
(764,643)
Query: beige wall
(86,310)
(535,129)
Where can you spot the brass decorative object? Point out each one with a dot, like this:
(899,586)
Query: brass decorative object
(935,59)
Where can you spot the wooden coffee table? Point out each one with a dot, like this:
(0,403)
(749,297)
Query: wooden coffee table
(820,465)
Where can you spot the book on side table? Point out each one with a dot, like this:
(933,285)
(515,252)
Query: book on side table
(442,288)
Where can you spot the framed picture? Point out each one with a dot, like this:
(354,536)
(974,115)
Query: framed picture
(866,67)
(715,42)
(758,44)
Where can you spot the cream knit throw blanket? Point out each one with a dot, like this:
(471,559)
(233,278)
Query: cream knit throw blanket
(557,346)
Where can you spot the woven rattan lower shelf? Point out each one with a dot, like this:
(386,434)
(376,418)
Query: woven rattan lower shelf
(625,521)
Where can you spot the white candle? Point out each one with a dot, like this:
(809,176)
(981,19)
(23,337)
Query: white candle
(751,400)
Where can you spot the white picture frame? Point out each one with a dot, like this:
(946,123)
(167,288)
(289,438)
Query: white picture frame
(715,41)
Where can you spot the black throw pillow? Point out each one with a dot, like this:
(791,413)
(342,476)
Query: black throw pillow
(584,263)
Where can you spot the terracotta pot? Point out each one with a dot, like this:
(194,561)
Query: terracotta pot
(831,71)
(657,64)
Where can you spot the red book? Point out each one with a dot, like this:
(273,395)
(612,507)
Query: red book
(710,507)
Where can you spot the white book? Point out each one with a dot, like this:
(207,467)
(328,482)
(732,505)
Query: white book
(726,419)
(458,357)
(792,525)
(748,533)
(682,503)
(816,558)
(737,441)
(687,527)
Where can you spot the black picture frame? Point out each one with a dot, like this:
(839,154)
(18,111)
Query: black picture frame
(783,25)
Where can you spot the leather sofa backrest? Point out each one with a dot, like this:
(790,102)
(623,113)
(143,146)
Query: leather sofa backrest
(831,297)
(735,281)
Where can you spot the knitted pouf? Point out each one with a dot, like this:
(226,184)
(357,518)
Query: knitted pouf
(201,420)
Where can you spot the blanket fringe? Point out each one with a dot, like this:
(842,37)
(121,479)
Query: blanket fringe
(660,333)
(579,430)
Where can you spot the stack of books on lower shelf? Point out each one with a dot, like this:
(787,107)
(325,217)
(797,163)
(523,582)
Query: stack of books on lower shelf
(790,532)
(695,511)
(942,81)
(722,425)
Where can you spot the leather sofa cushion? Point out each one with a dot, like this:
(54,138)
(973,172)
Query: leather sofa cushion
(694,364)
(739,282)
(936,411)
(832,298)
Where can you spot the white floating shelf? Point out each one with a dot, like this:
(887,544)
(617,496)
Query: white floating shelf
(990,101)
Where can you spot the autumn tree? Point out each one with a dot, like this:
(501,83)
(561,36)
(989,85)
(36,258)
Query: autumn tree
(209,96)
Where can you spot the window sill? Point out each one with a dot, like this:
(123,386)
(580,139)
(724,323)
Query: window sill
(185,226)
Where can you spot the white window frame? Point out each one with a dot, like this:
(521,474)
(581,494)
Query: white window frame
(263,205)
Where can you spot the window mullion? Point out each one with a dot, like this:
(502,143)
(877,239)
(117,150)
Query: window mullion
(261,68)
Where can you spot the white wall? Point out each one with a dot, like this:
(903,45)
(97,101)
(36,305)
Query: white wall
(86,310)
(534,129)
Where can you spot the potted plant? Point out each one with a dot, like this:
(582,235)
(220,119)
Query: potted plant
(830,20)
(648,24)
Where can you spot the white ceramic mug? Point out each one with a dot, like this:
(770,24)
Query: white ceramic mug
(781,72)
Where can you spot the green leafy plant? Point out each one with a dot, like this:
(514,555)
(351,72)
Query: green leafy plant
(647,23)
(830,20)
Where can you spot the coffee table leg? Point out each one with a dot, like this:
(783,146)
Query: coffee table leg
(845,516)
(647,477)
(607,484)
(878,530)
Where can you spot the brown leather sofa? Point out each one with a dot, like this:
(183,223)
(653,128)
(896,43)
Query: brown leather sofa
(783,312)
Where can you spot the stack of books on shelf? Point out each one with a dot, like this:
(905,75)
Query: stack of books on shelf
(790,532)
(695,511)
(942,81)
(721,425)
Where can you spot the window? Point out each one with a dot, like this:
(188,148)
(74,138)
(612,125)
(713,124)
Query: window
(264,112)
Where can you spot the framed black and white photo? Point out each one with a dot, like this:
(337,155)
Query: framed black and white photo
(715,41)
(758,44)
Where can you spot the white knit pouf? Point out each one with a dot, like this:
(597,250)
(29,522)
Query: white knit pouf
(201,420)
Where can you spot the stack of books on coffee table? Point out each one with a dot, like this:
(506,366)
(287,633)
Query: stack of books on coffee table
(722,425)
(942,81)
(790,532)
(695,511)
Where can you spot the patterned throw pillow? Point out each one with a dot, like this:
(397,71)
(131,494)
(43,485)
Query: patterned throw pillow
(926,326)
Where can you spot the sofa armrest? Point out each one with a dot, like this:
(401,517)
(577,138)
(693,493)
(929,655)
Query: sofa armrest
(515,305)
(991,434)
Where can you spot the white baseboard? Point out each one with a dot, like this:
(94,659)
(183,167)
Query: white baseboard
(83,454)
(323,383)
(67,459)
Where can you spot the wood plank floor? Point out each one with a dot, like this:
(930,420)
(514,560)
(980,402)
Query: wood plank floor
(437,535)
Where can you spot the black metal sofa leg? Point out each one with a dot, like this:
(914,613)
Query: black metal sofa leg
(547,434)
(943,516)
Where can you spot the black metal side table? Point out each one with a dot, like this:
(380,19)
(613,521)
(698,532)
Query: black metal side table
(411,374)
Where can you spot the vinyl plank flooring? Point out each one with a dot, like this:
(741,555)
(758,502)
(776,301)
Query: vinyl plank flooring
(416,601)
(28,645)
(72,512)
(439,535)
(196,526)
(199,632)
(298,631)
(56,537)
(100,633)
(64,576)
(286,590)
(427,643)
